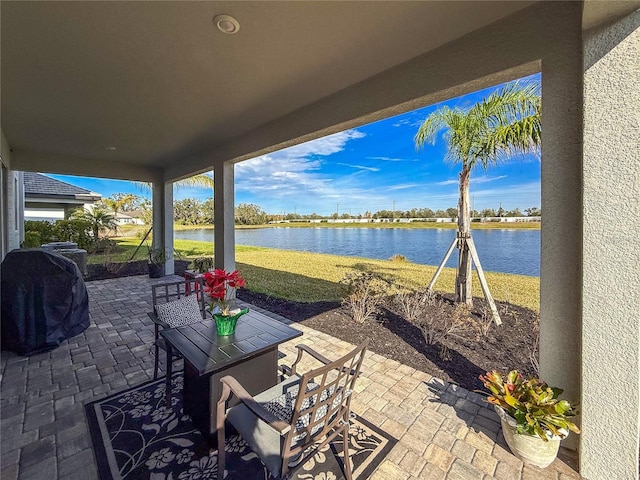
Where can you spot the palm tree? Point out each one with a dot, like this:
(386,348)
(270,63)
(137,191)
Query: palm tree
(200,180)
(99,219)
(500,126)
(116,203)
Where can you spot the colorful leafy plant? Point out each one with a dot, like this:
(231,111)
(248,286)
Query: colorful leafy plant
(534,405)
(221,287)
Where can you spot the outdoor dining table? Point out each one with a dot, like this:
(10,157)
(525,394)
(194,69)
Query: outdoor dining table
(250,355)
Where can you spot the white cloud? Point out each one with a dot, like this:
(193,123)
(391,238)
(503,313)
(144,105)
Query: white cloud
(473,181)
(403,186)
(447,182)
(360,167)
(292,173)
(486,179)
(389,159)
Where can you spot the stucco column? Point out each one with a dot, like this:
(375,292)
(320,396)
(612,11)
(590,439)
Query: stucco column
(561,187)
(224,219)
(611,258)
(163,221)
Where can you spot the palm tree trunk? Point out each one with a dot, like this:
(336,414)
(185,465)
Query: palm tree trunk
(463,275)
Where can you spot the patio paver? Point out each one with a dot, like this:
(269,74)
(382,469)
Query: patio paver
(444,431)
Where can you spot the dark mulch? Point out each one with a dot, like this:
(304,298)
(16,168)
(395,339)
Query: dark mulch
(126,269)
(504,348)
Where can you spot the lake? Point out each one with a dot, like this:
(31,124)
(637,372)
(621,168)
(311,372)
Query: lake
(506,251)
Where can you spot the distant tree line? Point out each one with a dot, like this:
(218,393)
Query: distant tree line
(191,211)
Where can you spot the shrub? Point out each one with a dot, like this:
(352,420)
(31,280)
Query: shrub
(44,228)
(31,240)
(203,264)
(103,245)
(427,312)
(414,305)
(75,230)
(398,258)
(365,292)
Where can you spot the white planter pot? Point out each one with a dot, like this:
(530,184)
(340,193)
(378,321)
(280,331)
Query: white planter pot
(530,449)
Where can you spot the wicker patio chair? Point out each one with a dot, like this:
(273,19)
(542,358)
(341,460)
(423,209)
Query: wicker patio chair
(175,304)
(295,418)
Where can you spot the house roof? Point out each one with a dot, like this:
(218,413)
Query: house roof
(38,185)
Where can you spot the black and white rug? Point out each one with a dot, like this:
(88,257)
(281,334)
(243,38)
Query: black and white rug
(135,436)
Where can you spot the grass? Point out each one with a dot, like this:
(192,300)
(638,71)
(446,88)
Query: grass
(311,277)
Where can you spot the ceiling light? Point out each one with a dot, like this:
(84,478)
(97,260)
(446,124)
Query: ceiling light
(226,24)
(110,147)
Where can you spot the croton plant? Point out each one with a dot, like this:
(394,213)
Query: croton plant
(534,405)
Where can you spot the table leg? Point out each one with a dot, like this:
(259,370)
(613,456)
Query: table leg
(169,374)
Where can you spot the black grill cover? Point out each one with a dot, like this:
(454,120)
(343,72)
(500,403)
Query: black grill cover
(44,301)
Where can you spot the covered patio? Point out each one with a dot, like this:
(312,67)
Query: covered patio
(443,431)
(153,92)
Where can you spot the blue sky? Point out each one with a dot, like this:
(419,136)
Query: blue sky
(373,167)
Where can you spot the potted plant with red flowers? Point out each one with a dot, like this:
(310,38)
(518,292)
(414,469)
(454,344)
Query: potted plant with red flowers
(221,287)
(533,418)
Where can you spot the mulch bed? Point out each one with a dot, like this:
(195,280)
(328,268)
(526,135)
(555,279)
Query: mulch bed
(504,348)
(126,269)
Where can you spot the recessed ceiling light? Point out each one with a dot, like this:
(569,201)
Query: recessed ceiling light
(110,147)
(226,24)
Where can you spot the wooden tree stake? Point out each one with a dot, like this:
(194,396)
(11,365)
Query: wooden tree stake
(476,260)
(446,257)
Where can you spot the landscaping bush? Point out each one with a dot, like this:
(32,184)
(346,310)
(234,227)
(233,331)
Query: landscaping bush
(414,305)
(103,245)
(31,240)
(75,230)
(45,229)
(365,292)
(426,310)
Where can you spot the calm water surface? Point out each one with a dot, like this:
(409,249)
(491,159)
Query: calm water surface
(507,251)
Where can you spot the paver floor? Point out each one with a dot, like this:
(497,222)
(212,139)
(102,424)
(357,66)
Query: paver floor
(444,431)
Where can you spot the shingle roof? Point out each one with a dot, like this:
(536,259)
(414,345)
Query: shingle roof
(37,184)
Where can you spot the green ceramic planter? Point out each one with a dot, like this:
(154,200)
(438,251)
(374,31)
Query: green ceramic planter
(226,324)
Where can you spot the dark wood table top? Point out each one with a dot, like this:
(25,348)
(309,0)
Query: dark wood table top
(201,346)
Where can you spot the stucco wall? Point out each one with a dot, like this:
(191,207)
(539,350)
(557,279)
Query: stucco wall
(11,219)
(611,263)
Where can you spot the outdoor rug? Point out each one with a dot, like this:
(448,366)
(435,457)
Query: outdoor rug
(135,436)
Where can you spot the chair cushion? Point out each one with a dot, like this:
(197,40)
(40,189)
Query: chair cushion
(282,407)
(178,313)
(262,439)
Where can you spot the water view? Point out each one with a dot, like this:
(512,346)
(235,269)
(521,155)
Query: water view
(506,251)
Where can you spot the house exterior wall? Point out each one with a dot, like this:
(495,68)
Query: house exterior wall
(12,209)
(611,259)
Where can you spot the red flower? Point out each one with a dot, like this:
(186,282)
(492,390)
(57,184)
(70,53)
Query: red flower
(220,286)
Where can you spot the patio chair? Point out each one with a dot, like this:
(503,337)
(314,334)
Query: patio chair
(175,304)
(295,418)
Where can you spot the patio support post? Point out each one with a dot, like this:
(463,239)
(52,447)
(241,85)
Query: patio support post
(163,221)
(610,280)
(224,241)
(561,186)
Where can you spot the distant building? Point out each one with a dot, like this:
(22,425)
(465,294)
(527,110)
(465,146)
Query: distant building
(46,198)
(129,218)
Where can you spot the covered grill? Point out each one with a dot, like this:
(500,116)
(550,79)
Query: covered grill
(44,301)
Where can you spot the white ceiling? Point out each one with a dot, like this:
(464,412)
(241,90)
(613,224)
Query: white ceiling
(160,83)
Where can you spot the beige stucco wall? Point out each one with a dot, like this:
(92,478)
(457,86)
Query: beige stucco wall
(611,252)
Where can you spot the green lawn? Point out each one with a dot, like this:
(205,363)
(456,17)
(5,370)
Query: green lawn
(310,277)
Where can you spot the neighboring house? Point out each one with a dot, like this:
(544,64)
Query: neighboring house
(128,218)
(46,198)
